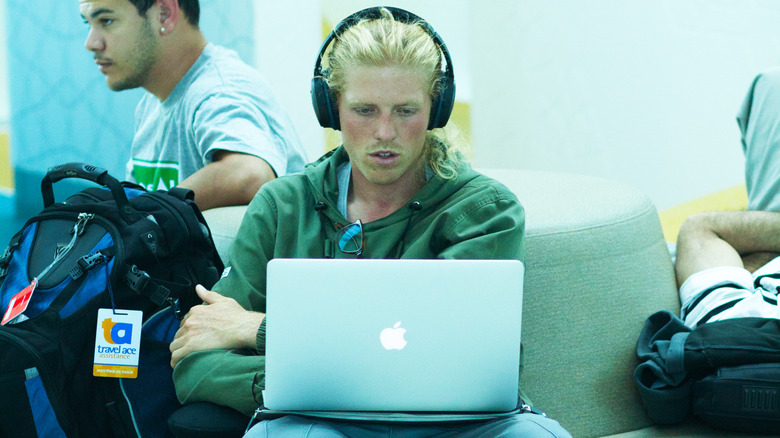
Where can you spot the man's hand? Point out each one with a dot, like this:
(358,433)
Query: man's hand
(219,323)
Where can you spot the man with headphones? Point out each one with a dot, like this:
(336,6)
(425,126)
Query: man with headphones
(396,188)
(208,122)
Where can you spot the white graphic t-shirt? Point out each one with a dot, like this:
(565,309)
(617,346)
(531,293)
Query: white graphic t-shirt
(220,104)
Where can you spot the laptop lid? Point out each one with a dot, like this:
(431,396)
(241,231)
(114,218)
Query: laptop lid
(393,335)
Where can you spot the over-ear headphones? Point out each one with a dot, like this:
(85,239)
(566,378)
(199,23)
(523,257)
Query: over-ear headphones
(322,99)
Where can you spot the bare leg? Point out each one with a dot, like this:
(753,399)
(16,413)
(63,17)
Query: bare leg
(756,260)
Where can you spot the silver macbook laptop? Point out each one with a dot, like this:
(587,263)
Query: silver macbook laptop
(393,335)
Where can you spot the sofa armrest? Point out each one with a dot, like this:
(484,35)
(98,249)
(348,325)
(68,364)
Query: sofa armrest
(597,266)
(223,223)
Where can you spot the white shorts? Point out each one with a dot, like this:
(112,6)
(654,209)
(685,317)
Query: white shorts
(730,292)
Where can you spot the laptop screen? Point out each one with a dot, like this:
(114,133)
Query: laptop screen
(393,335)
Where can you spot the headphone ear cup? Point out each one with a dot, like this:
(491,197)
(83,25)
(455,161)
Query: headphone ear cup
(441,108)
(326,111)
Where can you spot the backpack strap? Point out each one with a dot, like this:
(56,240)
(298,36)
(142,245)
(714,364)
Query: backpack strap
(158,291)
(91,173)
(5,259)
(182,193)
(140,282)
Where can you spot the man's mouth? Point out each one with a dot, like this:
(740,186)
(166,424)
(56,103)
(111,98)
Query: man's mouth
(103,63)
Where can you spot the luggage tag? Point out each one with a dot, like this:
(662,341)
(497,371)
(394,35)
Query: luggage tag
(19,303)
(117,343)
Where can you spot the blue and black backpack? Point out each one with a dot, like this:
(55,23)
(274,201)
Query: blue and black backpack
(111,247)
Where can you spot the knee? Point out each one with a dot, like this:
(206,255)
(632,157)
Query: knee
(534,426)
(694,224)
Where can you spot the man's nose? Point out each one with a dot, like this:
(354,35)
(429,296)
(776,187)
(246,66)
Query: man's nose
(94,42)
(385,128)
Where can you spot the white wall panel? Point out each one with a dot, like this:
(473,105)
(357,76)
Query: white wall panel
(640,91)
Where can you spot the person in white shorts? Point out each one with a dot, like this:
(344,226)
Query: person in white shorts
(726,261)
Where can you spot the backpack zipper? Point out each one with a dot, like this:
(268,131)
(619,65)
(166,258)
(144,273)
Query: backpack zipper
(78,230)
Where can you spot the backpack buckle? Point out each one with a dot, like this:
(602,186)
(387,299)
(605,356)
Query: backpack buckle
(140,282)
(176,307)
(86,263)
(137,279)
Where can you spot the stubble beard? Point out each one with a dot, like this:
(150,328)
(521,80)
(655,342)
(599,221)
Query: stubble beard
(142,58)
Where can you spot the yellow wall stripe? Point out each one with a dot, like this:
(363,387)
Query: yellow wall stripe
(731,199)
(6,171)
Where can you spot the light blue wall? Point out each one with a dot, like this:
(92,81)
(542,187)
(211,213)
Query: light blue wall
(61,109)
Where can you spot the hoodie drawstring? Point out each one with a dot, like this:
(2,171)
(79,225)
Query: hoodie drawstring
(414,206)
(329,249)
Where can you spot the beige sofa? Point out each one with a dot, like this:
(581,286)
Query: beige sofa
(597,266)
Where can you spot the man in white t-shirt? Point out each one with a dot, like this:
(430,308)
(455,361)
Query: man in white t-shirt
(208,121)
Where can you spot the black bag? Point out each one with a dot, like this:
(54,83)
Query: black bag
(744,398)
(111,247)
(726,372)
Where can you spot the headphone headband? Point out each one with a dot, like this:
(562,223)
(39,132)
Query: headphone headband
(322,100)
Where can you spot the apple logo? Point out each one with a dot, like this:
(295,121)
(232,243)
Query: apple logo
(393,338)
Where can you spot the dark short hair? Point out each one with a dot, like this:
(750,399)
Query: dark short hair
(191,9)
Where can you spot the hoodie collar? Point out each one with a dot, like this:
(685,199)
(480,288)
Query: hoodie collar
(323,179)
(344,176)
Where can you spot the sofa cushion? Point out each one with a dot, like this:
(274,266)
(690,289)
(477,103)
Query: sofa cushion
(224,223)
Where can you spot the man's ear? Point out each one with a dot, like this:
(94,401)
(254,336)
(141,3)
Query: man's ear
(167,14)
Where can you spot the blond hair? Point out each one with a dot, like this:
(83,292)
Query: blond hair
(387,41)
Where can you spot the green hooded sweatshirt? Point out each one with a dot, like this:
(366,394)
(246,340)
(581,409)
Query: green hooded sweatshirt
(467,217)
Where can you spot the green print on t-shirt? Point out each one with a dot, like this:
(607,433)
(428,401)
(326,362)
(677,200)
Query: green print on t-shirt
(156,176)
